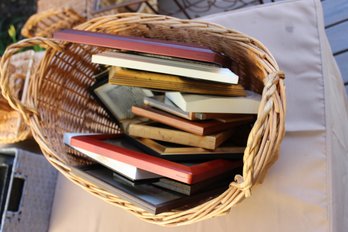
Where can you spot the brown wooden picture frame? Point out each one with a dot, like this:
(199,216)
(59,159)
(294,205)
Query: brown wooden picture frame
(207,127)
(177,152)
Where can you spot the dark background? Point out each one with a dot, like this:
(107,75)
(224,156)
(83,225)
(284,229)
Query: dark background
(13,12)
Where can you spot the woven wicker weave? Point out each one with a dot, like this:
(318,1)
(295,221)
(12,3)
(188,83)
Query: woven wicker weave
(45,23)
(86,8)
(12,127)
(59,102)
(119,6)
(78,6)
(9,123)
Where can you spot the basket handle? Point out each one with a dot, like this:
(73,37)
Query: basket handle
(274,81)
(13,101)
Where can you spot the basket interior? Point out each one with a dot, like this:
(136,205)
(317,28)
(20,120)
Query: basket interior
(66,105)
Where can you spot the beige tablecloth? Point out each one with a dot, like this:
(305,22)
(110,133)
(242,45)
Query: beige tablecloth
(306,190)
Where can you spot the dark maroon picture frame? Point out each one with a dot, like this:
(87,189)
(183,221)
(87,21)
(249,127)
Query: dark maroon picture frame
(144,45)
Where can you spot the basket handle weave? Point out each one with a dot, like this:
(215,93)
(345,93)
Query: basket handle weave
(272,100)
(13,101)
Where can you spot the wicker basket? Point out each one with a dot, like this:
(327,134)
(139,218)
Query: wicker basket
(45,23)
(77,5)
(88,8)
(59,102)
(120,6)
(12,127)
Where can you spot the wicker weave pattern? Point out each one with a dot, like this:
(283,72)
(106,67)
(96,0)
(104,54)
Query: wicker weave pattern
(86,8)
(47,22)
(78,5)
(59,102)
(12,127)
(117,8)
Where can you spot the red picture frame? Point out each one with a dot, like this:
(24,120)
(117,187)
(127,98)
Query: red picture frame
(144,45)
(100,144)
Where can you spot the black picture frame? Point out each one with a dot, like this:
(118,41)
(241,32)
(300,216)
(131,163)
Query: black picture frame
(99,92)
(151,198)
